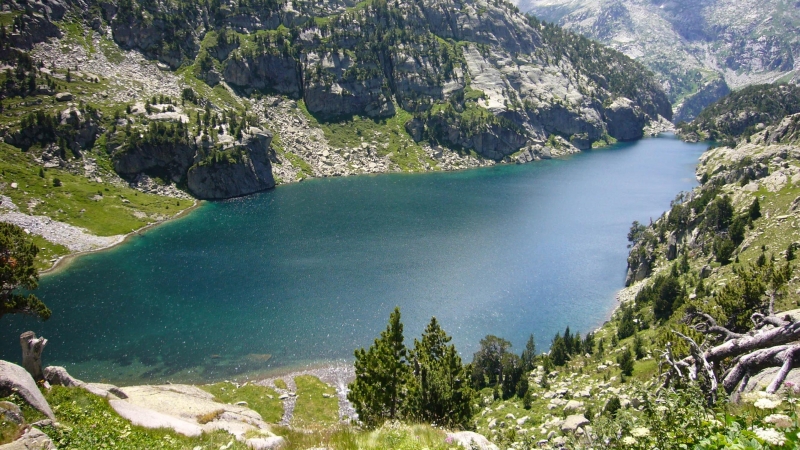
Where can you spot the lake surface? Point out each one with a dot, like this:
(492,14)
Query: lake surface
(308,272)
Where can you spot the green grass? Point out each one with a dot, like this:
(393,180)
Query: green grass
(280,384)
(305,168)
(7,18)
(74,34)
(391,436)
(260,399)
(88,422)
(48,251)
(312,410)
(101,208)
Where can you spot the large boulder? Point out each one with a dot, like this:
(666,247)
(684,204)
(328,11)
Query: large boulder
(573,422)
(242,170)
(471,440)
(15,379)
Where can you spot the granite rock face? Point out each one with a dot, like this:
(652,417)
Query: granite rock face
(242,170)
(698,51)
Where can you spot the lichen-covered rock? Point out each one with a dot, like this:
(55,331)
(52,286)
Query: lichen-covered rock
(32,439)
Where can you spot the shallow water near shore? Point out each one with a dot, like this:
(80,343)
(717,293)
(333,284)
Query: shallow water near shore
(308,272)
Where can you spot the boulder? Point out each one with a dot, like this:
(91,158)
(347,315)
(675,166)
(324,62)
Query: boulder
(15,379)
(32,439)
(471,440)
(672,247)
(573,422)
(57,375)
(573,405)
(11,413)
(63,97)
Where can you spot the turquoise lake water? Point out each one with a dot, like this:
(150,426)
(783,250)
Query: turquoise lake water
(308,272)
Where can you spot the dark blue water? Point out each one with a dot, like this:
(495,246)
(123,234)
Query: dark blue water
(309,272)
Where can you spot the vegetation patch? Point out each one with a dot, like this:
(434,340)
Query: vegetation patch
(260,399)
(317,405)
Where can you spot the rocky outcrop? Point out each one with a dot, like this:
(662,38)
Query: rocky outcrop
(15,379)
(77,129)
(338,86)
(181,407)
(273,73)
(241,170)
(625,120)
(170,161)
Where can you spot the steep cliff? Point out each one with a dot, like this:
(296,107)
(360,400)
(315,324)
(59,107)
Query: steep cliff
(240,170)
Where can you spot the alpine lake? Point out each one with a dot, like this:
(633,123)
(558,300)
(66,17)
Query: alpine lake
(303,274)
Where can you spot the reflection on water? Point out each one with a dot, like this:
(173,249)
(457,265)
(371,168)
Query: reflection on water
(309,272)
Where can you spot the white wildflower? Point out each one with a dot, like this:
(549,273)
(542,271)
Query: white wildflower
(770,436)
(629,440)
(767,403)
(640,432)
(779,420)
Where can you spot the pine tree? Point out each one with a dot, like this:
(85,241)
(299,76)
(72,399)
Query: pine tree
(17,270)
(438,390)
(625,361)
(558,351)
(378,392)
(529,355)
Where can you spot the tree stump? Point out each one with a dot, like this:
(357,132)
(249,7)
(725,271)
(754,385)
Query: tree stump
(32,348)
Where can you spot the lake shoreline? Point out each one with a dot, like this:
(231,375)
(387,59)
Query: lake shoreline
(653,130)
(64,261)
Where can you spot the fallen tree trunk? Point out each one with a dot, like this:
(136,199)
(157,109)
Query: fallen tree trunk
(775,342)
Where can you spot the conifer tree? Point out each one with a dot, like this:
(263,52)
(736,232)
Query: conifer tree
(378,392)
(438,390)
(17,255)
(529,354)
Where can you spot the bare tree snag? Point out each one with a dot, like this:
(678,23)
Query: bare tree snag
(32,348)
(775,342)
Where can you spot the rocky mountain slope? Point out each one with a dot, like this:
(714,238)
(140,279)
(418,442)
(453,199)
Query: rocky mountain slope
(743,113)
(699,51)
(225,99)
